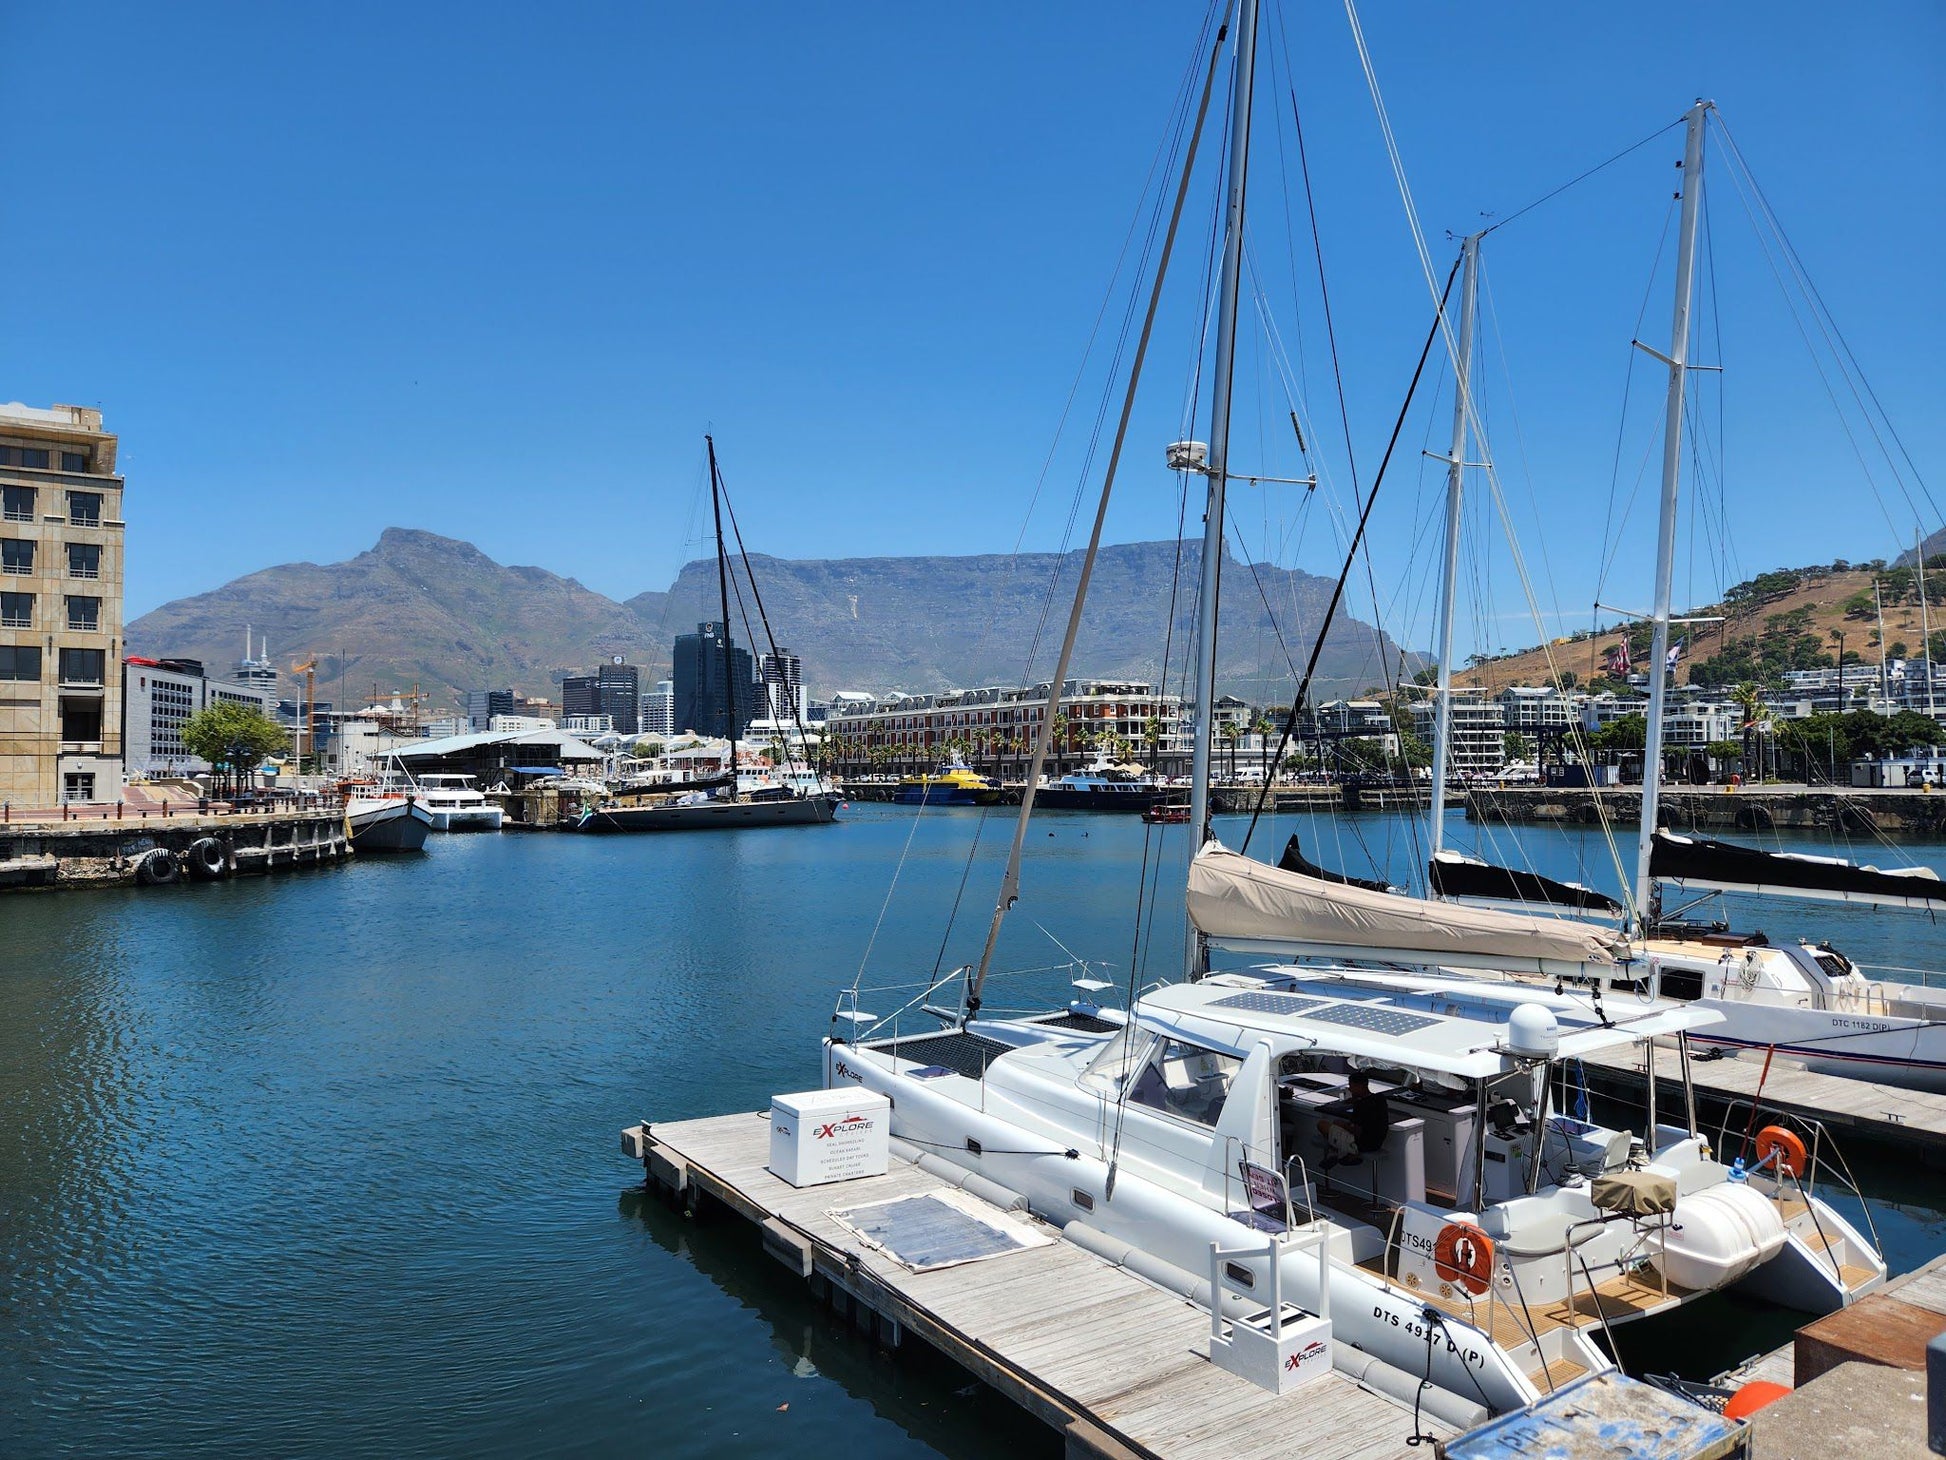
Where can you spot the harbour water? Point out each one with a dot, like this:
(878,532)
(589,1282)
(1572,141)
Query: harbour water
(327,1164)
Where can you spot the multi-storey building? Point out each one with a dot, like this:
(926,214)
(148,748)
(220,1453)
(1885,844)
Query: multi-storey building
(782,675)
(994,728)
(60,607)
(158,696)
(1530,708)
(1477,744)
(483,704)
(703,693)
(659,709)
(613,691)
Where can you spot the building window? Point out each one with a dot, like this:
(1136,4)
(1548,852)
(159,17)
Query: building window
(81,721)
(9,456)
(83,613)
(34,456)
(16,610)
(74,461)
(84,509)
(17,504)
(78,786)
(84,560)
(16,555)
(82,666)
(21,662)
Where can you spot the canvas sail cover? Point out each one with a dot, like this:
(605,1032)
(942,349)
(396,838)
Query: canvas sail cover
(1452,875)
(1701,862)
(1239,902)
(1294,860)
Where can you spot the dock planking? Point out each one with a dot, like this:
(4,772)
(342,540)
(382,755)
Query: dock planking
(1114,1364)
(1913,1120)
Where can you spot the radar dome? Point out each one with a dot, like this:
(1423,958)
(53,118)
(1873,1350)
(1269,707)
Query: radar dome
(1533,1033)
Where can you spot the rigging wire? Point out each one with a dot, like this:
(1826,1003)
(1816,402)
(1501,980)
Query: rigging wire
(1575,181)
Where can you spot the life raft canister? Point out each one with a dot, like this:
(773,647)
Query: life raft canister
(1463,1254)
(1774,1140)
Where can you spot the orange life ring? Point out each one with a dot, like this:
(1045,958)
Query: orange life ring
(1753,1397)
(1463,1254)
(1774,1140)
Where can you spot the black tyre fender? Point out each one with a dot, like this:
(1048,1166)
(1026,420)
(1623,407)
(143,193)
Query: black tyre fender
(157,868)
(205,859)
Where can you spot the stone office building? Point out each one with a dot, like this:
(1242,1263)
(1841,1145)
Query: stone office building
(60,608)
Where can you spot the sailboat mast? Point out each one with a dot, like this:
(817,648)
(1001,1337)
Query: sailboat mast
(1925,620)
(1665,550)
(723,593)
(1449,584)
(1219,440)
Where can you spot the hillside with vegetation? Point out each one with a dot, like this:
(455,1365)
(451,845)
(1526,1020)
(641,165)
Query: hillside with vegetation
(1787,619)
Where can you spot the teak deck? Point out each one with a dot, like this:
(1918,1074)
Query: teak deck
(1115,1365)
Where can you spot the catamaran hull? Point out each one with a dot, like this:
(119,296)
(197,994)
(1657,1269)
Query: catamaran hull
(484,818)
(1909,1053)
(1383,1323)
(1051,798)
(712,815)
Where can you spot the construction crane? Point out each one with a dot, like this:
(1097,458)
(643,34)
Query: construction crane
(308,711)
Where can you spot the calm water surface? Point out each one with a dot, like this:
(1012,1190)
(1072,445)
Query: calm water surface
(326,1164)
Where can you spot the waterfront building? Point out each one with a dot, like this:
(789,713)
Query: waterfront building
(782,676)
(159,695)
(518,724)
(702,693)
(483,704)
(1531,708)
(589,724)
(255,669)
(492,758)
(614,690)
(659,709)
(1476,745)
(61,532)
(994,728)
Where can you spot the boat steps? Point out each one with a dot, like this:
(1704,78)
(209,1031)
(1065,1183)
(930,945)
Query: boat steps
(1550,1377)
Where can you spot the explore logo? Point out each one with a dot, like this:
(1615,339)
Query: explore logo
(848,1124)
(1311,1350)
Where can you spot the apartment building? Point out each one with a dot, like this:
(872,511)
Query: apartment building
(61,533)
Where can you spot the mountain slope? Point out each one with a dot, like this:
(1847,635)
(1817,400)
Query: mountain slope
(438,612)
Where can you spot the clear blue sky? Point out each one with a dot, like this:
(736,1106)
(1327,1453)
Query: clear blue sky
(491,270)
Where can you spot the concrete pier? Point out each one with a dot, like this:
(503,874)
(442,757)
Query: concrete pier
(164,851)
(1721,809)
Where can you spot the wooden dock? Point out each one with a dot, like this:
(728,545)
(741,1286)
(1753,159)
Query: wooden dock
(1116,1366)
(1854,1111)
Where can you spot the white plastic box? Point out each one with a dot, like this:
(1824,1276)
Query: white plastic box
(820,1136)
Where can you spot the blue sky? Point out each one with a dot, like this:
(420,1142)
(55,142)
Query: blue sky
(493,270)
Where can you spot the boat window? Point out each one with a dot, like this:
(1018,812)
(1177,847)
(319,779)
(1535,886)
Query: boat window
(1120,1060)
(1186,1081)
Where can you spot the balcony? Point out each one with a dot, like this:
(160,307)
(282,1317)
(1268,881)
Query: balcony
(75,570)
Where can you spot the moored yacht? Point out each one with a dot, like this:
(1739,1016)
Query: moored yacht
(456,804)
(954,783)
(386,822)
(1102,786)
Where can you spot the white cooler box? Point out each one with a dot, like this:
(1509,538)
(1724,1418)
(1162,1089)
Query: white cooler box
(829,1135)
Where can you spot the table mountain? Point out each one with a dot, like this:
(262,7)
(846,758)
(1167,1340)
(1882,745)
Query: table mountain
(427,609)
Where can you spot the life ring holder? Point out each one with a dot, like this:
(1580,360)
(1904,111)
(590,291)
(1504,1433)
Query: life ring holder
(1463,1254)
(1784,1147)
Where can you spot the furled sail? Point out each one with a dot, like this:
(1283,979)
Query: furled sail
(1246,906)
(1451,874)
(1701,862)
(1294,860)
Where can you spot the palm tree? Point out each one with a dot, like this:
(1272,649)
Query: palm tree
(1232,732)
(1152,738)
(1260,727)
(1749,698)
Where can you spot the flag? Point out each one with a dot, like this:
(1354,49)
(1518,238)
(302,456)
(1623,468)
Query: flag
(1675,653)
(1617,661)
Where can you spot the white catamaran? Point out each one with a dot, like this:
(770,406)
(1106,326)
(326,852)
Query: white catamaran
(1467,1234)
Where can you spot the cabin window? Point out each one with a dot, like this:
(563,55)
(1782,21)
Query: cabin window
(1186,1081)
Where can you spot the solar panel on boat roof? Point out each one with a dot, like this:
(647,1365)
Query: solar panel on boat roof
(1268,1003)
(1377,1021)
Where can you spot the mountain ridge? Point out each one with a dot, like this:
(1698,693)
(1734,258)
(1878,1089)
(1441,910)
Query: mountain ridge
(421,608)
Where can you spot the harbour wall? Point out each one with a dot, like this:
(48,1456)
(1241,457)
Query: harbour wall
(165,851)
(1845,813)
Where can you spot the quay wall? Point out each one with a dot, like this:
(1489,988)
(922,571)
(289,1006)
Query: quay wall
(1721,809)
(110,852)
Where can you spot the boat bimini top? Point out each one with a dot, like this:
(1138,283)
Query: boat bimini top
(1448,1032)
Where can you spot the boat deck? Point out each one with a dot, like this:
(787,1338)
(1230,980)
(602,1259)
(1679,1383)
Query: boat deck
(1853,1110)
(1117,1366)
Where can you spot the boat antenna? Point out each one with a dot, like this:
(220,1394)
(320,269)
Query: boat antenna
(1665,553)
(1044,732)
(723,592)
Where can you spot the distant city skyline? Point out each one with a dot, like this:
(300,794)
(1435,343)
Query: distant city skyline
(379,268)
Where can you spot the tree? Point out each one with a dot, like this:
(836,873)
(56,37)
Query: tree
(1232,732)
(233,738)
(1631,732)
(1515,746)
(1749,699)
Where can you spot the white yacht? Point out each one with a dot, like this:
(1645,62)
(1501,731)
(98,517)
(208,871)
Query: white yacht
(456,804)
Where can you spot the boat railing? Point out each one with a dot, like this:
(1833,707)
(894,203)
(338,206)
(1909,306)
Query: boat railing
(1925,978)
(1836,1169)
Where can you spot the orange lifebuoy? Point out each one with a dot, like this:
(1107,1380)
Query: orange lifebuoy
(1753,1397)
(1774,1140)
(1463,1254)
